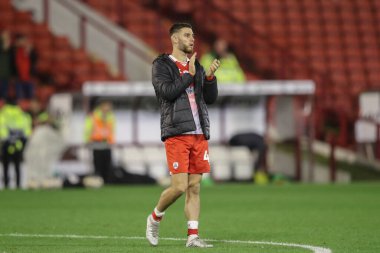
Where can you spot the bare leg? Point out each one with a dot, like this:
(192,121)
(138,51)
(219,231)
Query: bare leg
(192,204)
(192,210)
(170,195)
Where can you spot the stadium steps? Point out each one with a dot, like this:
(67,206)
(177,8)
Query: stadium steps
(142,22)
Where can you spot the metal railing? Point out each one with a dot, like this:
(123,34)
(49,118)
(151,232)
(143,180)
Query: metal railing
(90,31)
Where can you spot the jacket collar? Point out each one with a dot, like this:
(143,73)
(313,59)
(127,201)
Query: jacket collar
(166,57)
(176,60)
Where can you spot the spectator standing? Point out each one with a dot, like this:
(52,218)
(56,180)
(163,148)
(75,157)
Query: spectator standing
(24,58)
(5,63)
(229,70)
(37,114)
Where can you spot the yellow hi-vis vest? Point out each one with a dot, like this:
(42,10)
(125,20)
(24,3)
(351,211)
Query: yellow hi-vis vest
(14,119)
(229,70)
(99,128)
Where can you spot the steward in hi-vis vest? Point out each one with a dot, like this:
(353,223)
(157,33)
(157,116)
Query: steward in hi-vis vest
(99,135)
(15,128)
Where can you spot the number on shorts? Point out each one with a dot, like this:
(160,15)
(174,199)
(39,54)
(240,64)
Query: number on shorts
(206,157)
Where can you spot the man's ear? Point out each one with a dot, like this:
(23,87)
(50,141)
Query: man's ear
(174,38)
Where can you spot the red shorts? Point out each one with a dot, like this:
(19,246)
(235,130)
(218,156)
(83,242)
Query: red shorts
(187,153)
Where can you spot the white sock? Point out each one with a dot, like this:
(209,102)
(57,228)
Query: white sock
(191,225)
(158,213)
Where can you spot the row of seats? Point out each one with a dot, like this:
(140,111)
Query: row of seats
(42,94)
(148,24)
(227,163)
(144,23)
(334,43)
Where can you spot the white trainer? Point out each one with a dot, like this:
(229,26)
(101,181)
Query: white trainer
(152,229)
(196,242)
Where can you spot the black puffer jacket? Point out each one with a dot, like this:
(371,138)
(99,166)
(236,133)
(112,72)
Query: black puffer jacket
(170,88)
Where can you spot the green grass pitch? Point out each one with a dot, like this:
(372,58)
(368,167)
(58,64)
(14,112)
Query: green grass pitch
(343,218)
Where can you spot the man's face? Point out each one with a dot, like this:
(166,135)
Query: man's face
(184,40)
(5,38)
(22,42)
(106,107)
(221,47)
(35,106)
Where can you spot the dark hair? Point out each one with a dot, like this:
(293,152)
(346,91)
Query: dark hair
(19,36)
(11,100)
(178,26)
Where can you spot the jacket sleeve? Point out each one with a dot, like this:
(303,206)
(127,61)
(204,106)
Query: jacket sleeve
(210,90)
(165,86)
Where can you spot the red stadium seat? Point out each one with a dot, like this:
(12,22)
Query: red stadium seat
(334,38)
(43,94)
(23,28)
(292,4)
(40,30)
(43,43)
(24,104)
(43,66)
(6,18)
(62,80)
(82,68)
(46,55)
(79,56)
(374,78)
(5,5)
(183,7)
(55,54)
(61,43)
(22,17)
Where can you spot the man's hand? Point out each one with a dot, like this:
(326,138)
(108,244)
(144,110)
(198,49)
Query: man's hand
(192,64)
(214,66)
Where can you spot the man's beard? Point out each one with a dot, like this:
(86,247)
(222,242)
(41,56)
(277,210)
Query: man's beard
(186,49)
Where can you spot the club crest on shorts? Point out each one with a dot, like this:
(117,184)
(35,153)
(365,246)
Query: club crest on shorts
(175,165)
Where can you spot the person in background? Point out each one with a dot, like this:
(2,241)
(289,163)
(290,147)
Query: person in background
(229,70)
(15,128)
(255,143)
(99,134)
(25,59)
(5,63)
(37,114)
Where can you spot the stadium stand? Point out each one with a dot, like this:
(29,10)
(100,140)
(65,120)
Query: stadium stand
(335,43)
(60,67)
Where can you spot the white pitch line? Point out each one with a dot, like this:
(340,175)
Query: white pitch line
(313,249)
